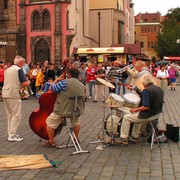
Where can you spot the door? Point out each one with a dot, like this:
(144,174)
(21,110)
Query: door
(42,51)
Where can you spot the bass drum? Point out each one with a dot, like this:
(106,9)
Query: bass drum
(117,121)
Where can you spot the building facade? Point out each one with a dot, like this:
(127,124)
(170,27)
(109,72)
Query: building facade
(147,26)
(8,30)
(42,30)
(36,30)
(110,22)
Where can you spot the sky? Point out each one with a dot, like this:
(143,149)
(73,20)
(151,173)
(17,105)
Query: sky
(152,6)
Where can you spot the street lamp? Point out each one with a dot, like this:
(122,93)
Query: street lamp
(3,43)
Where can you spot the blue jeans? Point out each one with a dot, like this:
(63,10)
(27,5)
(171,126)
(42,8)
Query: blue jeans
(124,87)
(91,83)
(118,87)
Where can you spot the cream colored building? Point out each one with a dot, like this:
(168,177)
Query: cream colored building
(101,23)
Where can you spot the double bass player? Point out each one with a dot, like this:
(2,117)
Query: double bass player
(64,105)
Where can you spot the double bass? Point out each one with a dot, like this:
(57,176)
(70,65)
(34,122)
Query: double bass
(37,119)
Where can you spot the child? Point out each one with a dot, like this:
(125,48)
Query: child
(47,85)
(40,79)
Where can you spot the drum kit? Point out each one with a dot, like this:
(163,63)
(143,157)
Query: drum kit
(112,123)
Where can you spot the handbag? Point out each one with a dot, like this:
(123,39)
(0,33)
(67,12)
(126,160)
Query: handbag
(168,81)
(172,132)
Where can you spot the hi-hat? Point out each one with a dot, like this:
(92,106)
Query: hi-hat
(106,83)
(155,81)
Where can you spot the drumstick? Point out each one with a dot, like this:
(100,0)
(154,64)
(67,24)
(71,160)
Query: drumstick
(121,84)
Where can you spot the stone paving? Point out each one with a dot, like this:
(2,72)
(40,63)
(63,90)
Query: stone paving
(116,162)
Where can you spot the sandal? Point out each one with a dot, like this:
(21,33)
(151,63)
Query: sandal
(48,144)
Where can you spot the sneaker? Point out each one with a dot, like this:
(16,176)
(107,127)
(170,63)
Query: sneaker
(133,139)
(90,97)
(121,141)
(15,139)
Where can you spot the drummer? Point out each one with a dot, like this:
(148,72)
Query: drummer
(152,103)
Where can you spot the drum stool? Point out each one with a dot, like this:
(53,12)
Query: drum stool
(71,131)
(153,132)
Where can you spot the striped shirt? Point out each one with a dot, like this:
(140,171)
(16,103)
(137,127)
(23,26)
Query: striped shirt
(60,86)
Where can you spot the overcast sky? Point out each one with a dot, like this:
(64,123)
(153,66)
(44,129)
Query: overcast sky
(152,6)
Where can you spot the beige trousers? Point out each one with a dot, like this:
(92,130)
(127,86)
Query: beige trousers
(133,118)
(99,92)
(13,112)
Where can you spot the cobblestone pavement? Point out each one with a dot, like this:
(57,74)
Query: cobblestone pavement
(135,161)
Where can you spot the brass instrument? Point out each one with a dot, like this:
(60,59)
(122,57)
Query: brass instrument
(118,72)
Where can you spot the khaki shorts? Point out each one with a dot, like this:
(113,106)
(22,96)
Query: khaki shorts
(55,120)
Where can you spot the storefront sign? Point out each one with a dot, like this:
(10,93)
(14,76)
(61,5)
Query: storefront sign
(108,50)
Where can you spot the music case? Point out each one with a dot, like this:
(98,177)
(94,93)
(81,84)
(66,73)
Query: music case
(172,132)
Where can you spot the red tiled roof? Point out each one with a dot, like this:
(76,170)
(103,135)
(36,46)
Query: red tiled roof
(148,17)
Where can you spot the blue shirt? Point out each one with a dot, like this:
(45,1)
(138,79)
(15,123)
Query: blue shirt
(21,76)
(59,86)
(145,99)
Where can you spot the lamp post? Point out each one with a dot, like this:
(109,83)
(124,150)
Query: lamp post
(3,43)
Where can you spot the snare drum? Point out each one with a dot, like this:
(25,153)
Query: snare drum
(114,100)
(131,100)
(117,121)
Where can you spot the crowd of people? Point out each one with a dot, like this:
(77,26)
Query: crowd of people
(40,73)
(73,78)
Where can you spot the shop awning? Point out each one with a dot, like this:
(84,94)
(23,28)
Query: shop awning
(172,58)
(100,50)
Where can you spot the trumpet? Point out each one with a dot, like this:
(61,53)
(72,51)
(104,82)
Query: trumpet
(118,72)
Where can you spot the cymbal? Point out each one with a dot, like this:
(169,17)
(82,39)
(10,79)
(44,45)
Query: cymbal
(106,83)
(155,81)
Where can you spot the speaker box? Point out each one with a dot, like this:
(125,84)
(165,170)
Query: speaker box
(172,132)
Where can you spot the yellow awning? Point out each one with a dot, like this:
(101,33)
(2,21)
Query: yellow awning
(104,50)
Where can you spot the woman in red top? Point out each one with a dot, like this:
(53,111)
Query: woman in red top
(91,77)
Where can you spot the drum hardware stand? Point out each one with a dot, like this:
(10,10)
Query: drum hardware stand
(72,136)
(104,82)
(101,139)
(112,130)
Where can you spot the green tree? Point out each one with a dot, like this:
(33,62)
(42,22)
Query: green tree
(167,37)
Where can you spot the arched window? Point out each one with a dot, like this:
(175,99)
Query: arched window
(36,21)
(5,4)
(46,20)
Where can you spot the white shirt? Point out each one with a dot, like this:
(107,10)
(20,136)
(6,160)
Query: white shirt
(162,74)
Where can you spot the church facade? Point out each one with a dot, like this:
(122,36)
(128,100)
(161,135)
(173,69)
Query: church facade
(34,29)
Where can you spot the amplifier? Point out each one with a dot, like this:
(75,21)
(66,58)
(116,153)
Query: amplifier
(173,132)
